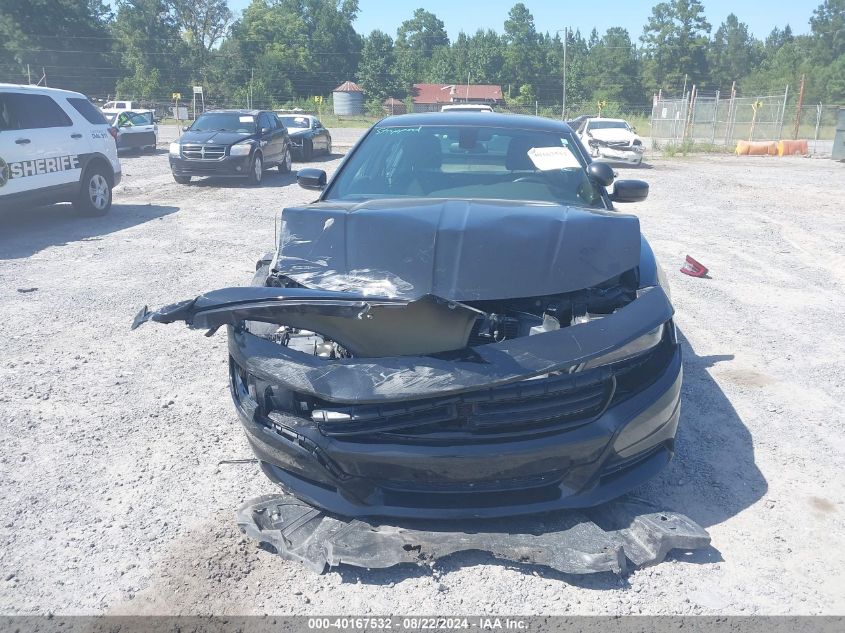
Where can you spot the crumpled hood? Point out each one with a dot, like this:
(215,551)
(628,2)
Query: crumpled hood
(217,138)
(613,134)
(459,250)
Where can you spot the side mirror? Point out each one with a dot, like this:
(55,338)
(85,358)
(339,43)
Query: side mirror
(265,130)
(311,178)
(629,191)
(185,128)
(601,173)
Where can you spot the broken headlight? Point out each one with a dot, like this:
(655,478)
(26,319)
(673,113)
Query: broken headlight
(647,341)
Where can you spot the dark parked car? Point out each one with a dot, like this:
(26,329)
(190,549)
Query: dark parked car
(460,326)
(232,143)
(307,135)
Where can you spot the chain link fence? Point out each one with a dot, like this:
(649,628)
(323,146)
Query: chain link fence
(717,120)
(700,118)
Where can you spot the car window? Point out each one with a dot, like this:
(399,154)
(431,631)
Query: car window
(224,122)
(296,122)
(264,121)
(277,121)
(33,111)
(608,125)
(87,110)
(7,118)
(129,119)
(466,162)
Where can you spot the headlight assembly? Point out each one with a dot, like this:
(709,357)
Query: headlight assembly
(175,150)
(647,341)
(240,149)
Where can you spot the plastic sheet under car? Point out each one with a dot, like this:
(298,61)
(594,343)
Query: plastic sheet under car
(610,538)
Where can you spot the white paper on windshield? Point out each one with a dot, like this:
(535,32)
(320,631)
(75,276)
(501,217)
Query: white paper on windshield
(551,158)
(247,119)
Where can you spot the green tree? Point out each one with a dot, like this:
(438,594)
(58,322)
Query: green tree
(613,69)
(203,25)
(733,53)
(828,28)
(416,40)
(148,44)
(377,70)
(485,57)
(522,55)
(675,41)
(67,38)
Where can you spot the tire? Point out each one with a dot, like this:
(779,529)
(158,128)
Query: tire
(329,148)
(152,148)
(307,150)
(284,166)
(256,170)
(95,194)
(182,180)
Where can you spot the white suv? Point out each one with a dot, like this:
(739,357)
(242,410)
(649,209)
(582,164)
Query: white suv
(55,146)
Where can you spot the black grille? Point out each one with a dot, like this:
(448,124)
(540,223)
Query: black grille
(538,406)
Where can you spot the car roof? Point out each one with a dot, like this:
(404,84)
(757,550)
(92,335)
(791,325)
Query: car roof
(42,90)
(236,111)
(493,119)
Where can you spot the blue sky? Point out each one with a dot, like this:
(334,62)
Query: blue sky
(550,15)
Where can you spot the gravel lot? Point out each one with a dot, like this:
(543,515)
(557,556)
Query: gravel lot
(114,499)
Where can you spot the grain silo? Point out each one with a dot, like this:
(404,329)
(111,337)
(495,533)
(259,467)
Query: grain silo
(348,99)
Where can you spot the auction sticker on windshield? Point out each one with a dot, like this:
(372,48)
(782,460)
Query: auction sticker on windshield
(247,119)
(552,158)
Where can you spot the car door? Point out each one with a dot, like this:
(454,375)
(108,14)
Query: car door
(40,149)
(136,129)
(270,144)
(284,137)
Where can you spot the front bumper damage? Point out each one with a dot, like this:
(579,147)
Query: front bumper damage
(514,431)
(612,538)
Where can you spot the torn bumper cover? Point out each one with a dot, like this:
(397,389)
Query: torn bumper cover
(602,540)
(502,429)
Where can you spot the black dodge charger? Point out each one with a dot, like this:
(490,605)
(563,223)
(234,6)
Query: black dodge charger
(461,325)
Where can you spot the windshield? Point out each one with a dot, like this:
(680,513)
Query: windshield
(296,121)
(608,125)
(130,119)
(224,122)
(465,162)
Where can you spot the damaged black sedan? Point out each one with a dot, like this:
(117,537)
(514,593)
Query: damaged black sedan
(460,326)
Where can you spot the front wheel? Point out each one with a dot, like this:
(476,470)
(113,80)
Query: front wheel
(95,194)
(256,170)
(285,165)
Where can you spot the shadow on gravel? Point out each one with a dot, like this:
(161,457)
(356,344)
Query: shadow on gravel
(272,178)
(713,476)
(25,232)
(320,158)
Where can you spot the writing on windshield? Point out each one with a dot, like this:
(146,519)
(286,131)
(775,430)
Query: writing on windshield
(224,122)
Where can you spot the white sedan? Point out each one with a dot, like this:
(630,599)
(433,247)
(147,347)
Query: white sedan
(611,140)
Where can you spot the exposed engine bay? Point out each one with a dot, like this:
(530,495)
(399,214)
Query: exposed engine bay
(466,324)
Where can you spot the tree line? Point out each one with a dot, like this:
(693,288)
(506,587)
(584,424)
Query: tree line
(281,51)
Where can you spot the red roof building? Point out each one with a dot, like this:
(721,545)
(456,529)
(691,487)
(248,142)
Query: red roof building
(434,96)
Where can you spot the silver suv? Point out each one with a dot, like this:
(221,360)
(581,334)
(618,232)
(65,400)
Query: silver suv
(55,146)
